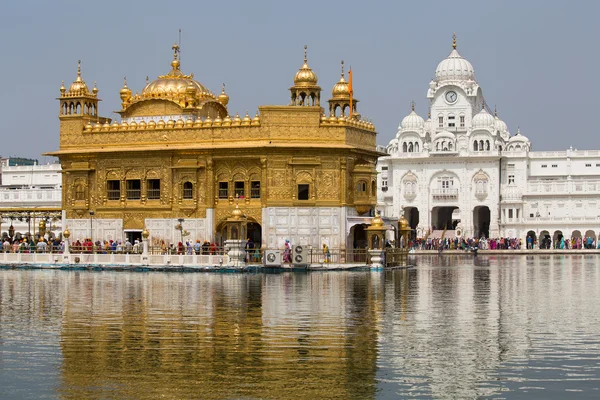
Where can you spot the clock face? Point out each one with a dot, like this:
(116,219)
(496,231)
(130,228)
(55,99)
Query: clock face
(451,96)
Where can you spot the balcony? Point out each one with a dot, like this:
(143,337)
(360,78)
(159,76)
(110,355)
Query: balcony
(445,194)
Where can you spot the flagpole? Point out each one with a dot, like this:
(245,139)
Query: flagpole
(350,89)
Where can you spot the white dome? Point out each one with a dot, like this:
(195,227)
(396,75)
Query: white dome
(412,121)
(483,120)
(518,138)
(500,125)
(454,68)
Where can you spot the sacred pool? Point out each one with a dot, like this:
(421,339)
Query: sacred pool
(453,327)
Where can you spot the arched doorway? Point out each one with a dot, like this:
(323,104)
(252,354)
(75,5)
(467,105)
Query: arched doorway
(481,221)
(531,239)
(444,217)
(412,216)
(255,233)
(590,239)
(576,242)
(545,240)
(359,236)
(557,239)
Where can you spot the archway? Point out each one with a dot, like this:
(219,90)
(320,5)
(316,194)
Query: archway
(557,239)
(590,239)
(545,240)
(255,233)
(576,242)
(481,221)
(444,217)
(531,239)
(359,236)
(412,216)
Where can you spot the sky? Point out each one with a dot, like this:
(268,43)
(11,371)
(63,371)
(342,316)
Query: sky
(536,61)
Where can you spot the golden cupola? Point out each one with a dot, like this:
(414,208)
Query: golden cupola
(78,100)
(305,91)
(340,97)
(125,93)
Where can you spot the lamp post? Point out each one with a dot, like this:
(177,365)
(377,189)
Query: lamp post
(91,227)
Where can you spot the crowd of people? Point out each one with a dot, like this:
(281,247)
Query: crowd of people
(502,243)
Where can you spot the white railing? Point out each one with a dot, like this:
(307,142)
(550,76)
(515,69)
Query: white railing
(555,187)
(444,194)
(30,196)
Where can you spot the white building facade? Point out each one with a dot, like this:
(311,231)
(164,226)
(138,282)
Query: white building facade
(28,194)
(461,172)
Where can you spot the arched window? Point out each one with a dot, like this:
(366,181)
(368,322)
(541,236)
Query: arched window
(404,147)
(437,146)
(487,145)
(450,146)
(188,190)
(373,188)
(361,187)
(416,147)
(481,145)
(475,147)
(410,147)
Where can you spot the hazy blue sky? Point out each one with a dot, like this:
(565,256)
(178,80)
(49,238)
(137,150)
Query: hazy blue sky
(536,60)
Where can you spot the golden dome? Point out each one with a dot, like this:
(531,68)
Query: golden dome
(145,233)
(403,223)
(223,97)
(62,88)
(95,89)
(377,221)
(247,120)
(125,92)
(237,213)
(175,84)
(305,75)
(66,233)
(340,89)
(78,87)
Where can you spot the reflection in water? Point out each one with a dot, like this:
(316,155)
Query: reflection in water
(453,327)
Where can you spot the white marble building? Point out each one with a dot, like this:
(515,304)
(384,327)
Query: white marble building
(29,193)
(462,171)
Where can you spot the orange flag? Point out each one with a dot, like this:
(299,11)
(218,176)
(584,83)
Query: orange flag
(350,89)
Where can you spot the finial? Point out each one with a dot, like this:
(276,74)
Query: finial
(79,68)
(124,81)
(483,105)
(518,130)
(342,68)
(305,58)
(454,40)
(175,51)
(429,114)
(147,80)
(495,111)
(412,105)
(223,88)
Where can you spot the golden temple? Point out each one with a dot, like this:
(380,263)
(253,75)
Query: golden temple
(178,153)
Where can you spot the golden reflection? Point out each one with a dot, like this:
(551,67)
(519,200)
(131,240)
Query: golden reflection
(219,336)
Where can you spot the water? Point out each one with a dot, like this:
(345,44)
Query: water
(455,327)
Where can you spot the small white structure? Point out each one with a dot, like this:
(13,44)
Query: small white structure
(462,172)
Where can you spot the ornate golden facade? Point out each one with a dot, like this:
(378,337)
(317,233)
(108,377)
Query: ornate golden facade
(177,152)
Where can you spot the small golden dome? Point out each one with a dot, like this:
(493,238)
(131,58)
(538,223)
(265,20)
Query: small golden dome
(106,126)
(341,89)
(152,124)
(179,123)
(62,88)
(124,125)
(114,126)
(95,89)
(125,92)
(223,97)
(189,122)
(333,119)
(218,121)
(377,221)
(247,120)
(237,120)
(97,127)
(237,213)
(227,121)
(197,123)
(78,87)
(160,124)
(403,223)
(66,233)
(88,126)
(142,125)
(170,123)
(256,119)
(305,75)
(133,126)
(207,121)
(145,233)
